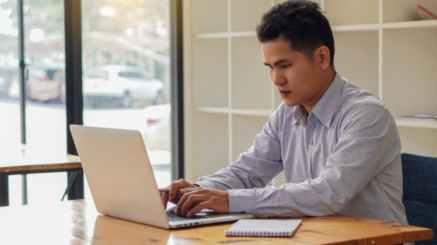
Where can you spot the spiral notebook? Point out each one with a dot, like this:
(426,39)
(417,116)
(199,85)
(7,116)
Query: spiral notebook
(263,227)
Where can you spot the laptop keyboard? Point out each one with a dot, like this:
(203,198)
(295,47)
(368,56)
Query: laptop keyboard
(173,217)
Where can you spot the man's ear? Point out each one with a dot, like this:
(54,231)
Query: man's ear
(323,57)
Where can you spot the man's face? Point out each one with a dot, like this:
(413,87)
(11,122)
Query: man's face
(298,80)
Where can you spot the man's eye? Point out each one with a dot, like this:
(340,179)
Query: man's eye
(285,66)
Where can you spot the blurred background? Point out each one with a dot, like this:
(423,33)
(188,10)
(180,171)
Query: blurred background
(126,84)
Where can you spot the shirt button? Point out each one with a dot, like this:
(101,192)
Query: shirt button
(310,146)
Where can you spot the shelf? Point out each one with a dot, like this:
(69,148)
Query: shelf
(211,139)
(420,141)
(410,74)
(209,16)
(249,22)
(411,24)
(394,25)
(226,110)
(351,12)
(243,34)
(210,81)
(226,35)
(415,124)
(337,28)
(253,112)
(214,110)
(405,10)
(212,35)
(354,28)
(362,68)
(251,85)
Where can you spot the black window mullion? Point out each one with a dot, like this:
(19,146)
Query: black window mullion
(73,68)
(22,70)
(177,92)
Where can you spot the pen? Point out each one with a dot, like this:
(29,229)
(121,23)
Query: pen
(186,189)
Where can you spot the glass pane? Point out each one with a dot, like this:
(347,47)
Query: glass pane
(126,80)
(10,136)
(45,76)
(9,105)
(44,86)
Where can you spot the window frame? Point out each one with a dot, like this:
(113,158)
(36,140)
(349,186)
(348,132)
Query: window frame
(74,96)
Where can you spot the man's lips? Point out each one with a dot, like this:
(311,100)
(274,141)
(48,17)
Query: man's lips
(284,93)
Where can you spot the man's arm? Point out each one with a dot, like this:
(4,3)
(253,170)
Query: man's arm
(254,169)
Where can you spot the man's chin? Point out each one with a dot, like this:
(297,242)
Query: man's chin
(290,103)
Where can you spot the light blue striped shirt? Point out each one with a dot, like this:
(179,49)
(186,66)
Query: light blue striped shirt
(344,158)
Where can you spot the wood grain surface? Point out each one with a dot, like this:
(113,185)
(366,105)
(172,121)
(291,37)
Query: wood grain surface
(77,222)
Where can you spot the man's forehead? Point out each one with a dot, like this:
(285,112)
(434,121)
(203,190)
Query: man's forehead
(273,55)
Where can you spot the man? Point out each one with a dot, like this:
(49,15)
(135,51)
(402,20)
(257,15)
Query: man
(338,144)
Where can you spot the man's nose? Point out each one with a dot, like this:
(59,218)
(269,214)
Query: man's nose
(277,78)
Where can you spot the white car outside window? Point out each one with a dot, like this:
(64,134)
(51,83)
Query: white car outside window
(123,84)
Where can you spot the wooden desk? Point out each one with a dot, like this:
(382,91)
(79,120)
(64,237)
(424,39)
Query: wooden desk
(77,222)
(31,162)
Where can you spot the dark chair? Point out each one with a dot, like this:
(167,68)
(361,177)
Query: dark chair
(420,192)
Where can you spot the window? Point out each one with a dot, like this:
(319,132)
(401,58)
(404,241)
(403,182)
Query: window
(129,39)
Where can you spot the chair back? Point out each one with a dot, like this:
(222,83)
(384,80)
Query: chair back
(420,192)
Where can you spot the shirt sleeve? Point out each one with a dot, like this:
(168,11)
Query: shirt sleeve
(365,144)
(255,168)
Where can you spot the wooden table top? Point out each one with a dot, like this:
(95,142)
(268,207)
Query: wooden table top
(77,222)
(28,160)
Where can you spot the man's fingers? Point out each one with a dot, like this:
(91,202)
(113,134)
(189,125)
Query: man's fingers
(206,198)
(164,197)
(192,200)
(175,186)
(198,208)
(174,199)
(181,202)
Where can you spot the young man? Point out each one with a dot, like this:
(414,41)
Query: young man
(338,144)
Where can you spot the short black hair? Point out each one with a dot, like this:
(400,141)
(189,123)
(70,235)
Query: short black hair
(299,22)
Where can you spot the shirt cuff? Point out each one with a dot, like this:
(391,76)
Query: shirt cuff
(241,201)
(204,184)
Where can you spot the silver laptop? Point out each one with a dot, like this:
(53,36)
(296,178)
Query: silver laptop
(121,179)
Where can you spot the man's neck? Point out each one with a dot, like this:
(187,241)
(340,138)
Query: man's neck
(328,79)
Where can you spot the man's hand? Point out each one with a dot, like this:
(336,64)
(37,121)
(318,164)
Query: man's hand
(174,195)
(193,202)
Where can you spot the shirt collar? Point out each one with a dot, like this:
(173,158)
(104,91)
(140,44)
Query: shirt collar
(299,115)
(326,106)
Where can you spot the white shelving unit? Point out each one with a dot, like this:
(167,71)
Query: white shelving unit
(381,46)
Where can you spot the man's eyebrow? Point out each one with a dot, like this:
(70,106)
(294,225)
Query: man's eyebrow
(277,62)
